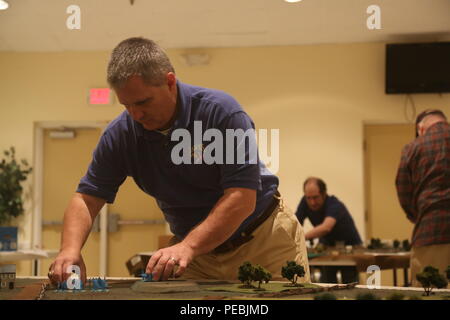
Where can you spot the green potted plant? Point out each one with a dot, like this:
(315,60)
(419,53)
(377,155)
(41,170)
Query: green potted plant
(12,174)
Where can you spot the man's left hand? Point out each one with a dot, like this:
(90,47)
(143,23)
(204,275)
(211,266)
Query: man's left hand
(162,263)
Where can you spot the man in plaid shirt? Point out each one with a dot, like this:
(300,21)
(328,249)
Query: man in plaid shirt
(423,188)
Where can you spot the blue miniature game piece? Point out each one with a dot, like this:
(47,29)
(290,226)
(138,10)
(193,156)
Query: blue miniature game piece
(62,286)
(102,284)
(94,284)
(99,284)
(147,277)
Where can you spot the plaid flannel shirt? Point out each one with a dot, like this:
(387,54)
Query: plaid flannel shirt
(423,185)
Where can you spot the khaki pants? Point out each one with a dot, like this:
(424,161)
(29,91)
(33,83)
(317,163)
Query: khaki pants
(437,256)
(279,239)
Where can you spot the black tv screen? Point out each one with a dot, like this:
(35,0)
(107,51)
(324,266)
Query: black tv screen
(418,67)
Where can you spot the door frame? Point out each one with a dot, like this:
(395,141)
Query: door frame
(366,177)
(38,184)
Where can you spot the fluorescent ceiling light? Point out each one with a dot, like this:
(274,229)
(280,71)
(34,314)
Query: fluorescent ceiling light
(292,1)
(3,5)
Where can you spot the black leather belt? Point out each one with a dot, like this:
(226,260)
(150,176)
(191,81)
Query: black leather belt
(246,235)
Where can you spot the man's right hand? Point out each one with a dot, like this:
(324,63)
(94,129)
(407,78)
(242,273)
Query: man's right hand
(61,268)
(78,218)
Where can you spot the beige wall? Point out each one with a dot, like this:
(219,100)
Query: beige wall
(386,219)
(319,96)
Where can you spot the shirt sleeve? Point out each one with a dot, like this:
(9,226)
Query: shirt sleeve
(106,171)
(404,184)
(240,168)
(335,210)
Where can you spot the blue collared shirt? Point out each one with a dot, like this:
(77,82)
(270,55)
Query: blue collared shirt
(344,229)
(186,193)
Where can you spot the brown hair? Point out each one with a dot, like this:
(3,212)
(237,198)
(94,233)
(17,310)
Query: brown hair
(319,182)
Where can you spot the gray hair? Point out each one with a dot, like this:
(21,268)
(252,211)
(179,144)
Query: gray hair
(141,57)
(425,116)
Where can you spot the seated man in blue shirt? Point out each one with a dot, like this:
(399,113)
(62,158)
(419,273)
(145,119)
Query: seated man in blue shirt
(184,145)
(332,223)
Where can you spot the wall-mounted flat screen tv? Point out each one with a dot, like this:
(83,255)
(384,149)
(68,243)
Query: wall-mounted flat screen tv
(418,67)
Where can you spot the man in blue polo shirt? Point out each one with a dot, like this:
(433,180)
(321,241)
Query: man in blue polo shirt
(332,223)
(192,149)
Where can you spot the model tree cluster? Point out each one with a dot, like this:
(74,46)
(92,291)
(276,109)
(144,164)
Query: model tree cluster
(377,243)
(249,273)
(396,244)
(430,278)
(403,245)
(292,271)
(406,245)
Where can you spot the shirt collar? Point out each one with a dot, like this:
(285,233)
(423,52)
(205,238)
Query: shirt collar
(183,107)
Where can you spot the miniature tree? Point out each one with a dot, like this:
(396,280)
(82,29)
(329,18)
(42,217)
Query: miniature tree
(292,271)
(375,243)
(246,273)
(396,244)
(430,278)
(406,245)
(260,274)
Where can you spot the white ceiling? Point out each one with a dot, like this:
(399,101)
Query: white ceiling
(40,25)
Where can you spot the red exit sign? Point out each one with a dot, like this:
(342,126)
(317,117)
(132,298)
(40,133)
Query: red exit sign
(100,96)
